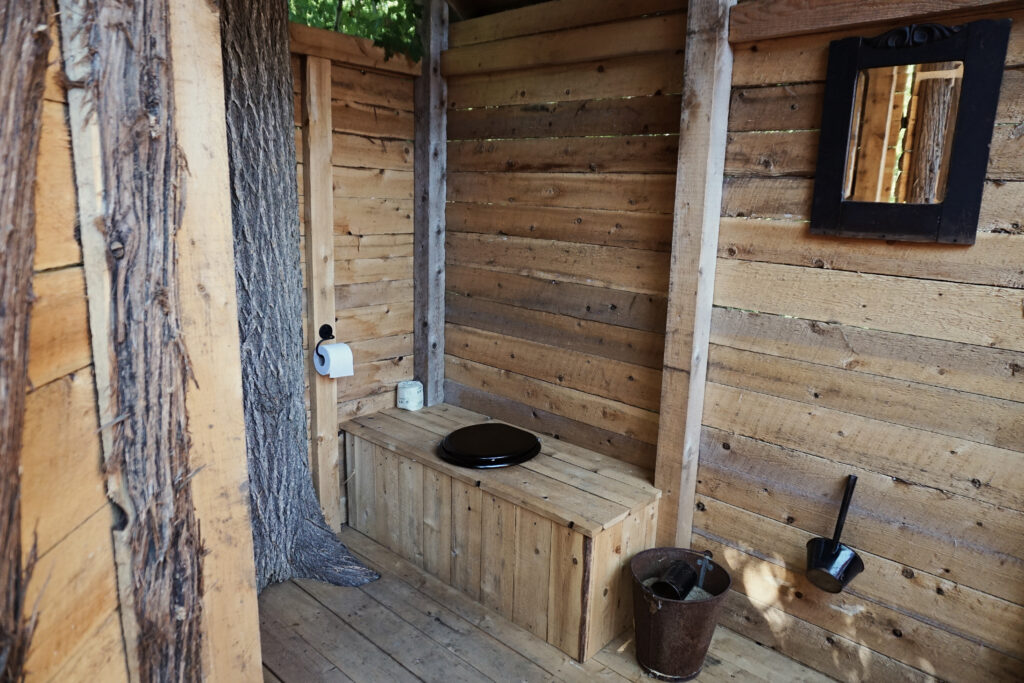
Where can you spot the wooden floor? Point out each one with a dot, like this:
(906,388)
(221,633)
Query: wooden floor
(409,626)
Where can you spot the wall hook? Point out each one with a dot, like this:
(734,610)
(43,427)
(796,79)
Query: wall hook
(326,333)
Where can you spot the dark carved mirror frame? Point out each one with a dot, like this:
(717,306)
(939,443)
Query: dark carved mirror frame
(981,46)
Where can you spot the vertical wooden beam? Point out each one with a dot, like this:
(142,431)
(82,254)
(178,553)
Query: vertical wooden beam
(707,76)
(431,160)
(873,135)
(318,190)
(209,320)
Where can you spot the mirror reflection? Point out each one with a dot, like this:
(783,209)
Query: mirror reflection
(902,132)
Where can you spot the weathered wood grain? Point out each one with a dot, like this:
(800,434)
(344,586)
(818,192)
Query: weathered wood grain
(568,46)
(650,115)
(560,15)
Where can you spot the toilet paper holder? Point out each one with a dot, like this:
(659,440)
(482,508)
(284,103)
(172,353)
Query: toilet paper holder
(326,334)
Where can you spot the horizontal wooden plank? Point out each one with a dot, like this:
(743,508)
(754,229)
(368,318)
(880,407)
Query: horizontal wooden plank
(373,322)
(345,49)
(914,456)
(634,270)
(375,377)
(372,120)
(995,259)
(1006,154)
(59,326)
(797,106)
(624,382)
(372,293)
(968,416)
(60,420)
(804,58)
(655,74)
(971,314)
(75,592)
(613,191)
(629,154)
(912,527)
(568,46)
(839,657)
(366,405)
(771,153)
(371,87)
(1001,207)
(55,204)
(650,115)
(630,229)
(590,409)
(977,369)
(762,19)
(373,216)
(372,183)
(552,16)
(627,309)
(863,621)
(372,270)
(795,153)
(101,658)
(382,348)
(366,152)
(594,338)
(348,247)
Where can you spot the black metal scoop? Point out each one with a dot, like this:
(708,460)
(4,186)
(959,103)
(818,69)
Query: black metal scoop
(830,564)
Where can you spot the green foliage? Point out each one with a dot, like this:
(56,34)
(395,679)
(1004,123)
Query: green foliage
(392,24)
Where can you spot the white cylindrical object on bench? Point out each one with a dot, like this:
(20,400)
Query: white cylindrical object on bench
(333,360)
(410,395)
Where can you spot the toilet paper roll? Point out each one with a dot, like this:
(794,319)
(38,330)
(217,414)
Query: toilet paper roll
(410,395)
(334,360)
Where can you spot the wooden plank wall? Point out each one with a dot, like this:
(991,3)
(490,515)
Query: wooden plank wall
(79,632)
(372,123)
(563,126)
(903,364)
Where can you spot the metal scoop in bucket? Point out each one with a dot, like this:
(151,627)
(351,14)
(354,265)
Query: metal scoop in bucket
(830,564)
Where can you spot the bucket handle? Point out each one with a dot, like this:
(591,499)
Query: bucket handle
(851,482)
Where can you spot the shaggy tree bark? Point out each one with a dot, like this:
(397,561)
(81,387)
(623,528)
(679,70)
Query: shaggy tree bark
(129,94)
(22,70)
(290,535)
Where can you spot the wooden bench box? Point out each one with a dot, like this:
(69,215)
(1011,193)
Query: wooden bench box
(545,543)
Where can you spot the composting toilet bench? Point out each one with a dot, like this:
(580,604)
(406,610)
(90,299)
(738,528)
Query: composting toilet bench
(545,543)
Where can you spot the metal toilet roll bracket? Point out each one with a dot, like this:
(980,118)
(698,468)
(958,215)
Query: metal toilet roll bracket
(326,334)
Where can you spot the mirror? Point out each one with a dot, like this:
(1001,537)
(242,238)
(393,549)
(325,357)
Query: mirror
(902,133)
(906,125)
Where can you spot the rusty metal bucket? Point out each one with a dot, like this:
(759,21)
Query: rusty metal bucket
(672,636)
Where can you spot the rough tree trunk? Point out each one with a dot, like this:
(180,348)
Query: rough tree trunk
(129,92)
(290,535)
(22,70)
(937,100)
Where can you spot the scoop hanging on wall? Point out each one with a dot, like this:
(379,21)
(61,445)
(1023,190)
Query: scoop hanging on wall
(830,564)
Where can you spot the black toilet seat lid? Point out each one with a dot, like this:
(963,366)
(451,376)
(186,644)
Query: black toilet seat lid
(489,445)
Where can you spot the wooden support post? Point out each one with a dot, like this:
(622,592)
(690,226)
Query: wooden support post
(430,166)
(707,76)
(209,322)
(318,189)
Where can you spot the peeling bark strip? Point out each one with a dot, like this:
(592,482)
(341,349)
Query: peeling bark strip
(129,91)
(22,70)
(290,535)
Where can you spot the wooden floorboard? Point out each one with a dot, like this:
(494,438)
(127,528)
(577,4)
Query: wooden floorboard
(409,626)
